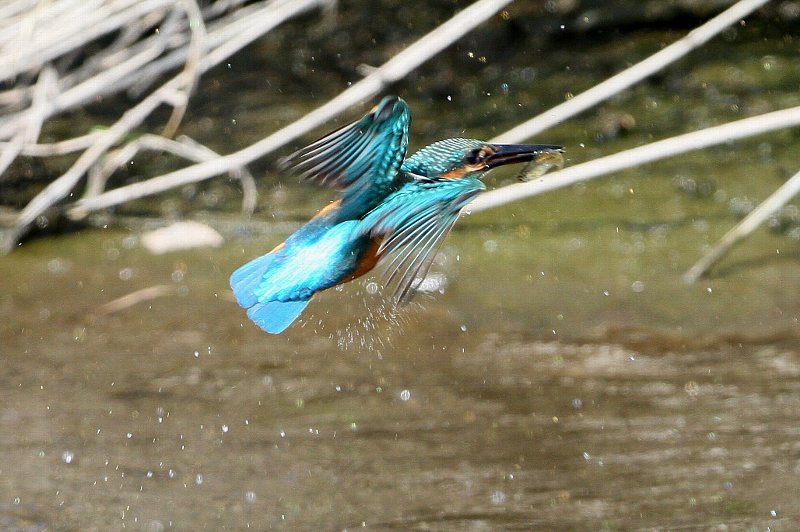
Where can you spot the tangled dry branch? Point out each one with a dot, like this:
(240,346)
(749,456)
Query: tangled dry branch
(133,44)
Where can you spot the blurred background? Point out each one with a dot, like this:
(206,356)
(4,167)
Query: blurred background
(558,375)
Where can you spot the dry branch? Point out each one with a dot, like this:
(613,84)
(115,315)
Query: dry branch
(183,147)
(777,199)
(191,70)
(134,298)
(654,151)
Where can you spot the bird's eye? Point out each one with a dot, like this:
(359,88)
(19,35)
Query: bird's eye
(477,156)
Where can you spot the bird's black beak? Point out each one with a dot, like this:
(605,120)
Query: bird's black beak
(520,153)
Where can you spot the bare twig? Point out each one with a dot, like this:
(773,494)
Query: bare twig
(777,199)
(182,147)
(33,119)
(634,74)
(134,298)
(57,148)
(662,149)
(192,68)
(391,71)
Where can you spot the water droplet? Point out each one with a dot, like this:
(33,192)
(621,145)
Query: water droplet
(225,428)
(125,274)
(498,497)
(198,479)
(637,286)
(432,283)
(463,328)
(149,474)
(171,473)
(405,395)
(283,434)
(57,266)
(197,354)
(490,246)
(250,497)
(372,288)
(587,456)
(130,435)
(577,403)
(68,457)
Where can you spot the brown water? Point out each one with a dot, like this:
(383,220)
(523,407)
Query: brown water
(564,379)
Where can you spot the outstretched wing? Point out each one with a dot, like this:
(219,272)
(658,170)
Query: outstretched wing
(364,153)
(412,224)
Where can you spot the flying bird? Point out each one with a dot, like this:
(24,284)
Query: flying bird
(391,209)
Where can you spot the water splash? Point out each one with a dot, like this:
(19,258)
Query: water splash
(372,320)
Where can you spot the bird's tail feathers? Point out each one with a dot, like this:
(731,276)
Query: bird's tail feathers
(247,278)
(275,316)
(272,316)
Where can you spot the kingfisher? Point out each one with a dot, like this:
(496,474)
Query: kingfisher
(391,209)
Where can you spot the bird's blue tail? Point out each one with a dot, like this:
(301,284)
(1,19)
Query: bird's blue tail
(247,278)
(272,316)
(275,316)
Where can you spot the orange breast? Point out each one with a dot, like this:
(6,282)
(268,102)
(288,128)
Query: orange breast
(368,260)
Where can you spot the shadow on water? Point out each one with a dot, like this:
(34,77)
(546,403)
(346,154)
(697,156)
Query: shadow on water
(559,376)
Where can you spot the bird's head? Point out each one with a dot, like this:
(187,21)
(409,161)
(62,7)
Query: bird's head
(457,158)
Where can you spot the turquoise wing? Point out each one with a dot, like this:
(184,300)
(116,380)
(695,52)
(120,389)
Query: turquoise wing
(361,159)
(412,223)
